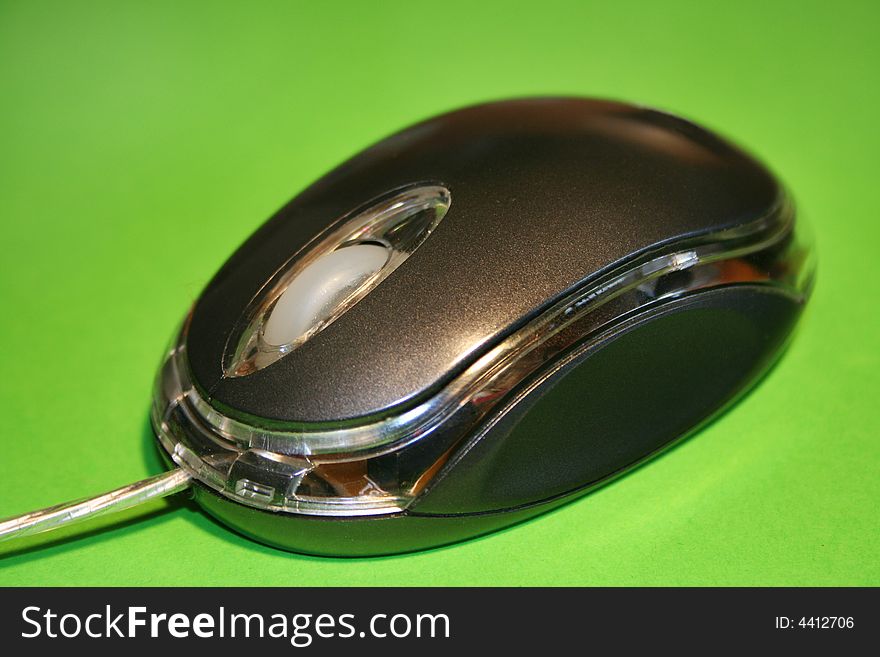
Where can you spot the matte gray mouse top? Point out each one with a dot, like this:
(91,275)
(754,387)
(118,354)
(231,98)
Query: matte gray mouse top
(545,195)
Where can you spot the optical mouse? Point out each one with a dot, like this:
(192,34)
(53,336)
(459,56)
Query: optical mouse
(476,320)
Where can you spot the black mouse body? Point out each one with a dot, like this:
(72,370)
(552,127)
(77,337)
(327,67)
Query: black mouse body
(513,303)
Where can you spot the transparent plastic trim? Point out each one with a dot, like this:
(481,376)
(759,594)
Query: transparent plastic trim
(381,465)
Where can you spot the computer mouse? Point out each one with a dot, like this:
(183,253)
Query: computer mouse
(476,320)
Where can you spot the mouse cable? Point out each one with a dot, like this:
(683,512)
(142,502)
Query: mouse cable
(120,499)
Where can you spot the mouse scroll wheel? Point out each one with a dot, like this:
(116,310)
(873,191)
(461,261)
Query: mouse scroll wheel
(317,285)
(321,291)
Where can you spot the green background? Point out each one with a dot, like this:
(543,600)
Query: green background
(140,143)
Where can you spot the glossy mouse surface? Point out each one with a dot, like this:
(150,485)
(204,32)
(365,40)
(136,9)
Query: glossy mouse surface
(478,319)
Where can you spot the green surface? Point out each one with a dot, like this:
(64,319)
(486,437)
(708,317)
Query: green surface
(142,142)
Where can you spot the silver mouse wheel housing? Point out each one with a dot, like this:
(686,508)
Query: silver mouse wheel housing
(380,465)
(332,273)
